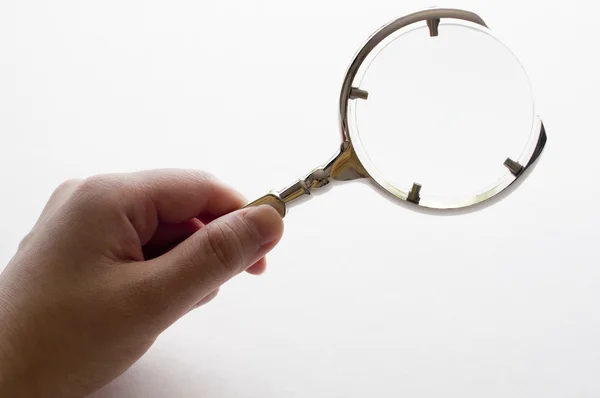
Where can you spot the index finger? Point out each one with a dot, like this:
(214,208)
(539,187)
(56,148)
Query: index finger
(179,195)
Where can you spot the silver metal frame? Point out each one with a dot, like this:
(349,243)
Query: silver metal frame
(349,164)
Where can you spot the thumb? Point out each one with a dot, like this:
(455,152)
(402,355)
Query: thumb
(219,251)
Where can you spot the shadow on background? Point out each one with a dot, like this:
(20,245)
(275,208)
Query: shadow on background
(165,375)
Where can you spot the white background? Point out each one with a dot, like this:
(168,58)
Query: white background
(362,298)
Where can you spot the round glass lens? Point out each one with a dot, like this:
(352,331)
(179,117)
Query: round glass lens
(443,111)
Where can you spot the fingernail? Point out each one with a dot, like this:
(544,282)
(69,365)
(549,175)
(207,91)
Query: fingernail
(267,223)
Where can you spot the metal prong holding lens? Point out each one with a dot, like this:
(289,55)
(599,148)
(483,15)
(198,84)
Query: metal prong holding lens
(515,168)
(433,25)
(414,196)
(357,93)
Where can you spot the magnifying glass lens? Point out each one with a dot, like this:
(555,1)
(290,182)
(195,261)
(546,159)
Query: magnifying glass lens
(435,111)
(443,111)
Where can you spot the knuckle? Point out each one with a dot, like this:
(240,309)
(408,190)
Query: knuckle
(190,175)
(204,175)
(99,189)
(63,192)
(206,299)
(24,243)
(97,183)
(59,198)
(201,177)
(67,186)
(226,245)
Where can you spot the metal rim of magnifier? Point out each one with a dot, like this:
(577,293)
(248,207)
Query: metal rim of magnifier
(351,92)
(350,162)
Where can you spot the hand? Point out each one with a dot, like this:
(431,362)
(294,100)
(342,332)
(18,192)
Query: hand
(111,263)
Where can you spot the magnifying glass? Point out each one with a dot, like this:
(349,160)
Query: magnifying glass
(435,112)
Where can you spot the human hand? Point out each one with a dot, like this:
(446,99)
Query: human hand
(111,263)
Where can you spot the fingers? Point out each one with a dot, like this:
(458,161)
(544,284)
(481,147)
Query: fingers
(179,195)
(258,268)
(169,235)
(218,252)
(152,198)
(205,300)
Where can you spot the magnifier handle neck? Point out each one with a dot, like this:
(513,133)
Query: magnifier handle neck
(343,166)
(317,182)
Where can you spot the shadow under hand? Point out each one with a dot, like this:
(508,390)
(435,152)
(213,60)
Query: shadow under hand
(143,379)
(169,375)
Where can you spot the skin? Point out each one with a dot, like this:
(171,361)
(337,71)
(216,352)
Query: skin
(111,263)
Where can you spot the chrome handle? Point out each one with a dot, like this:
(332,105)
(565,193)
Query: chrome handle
(344,166)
